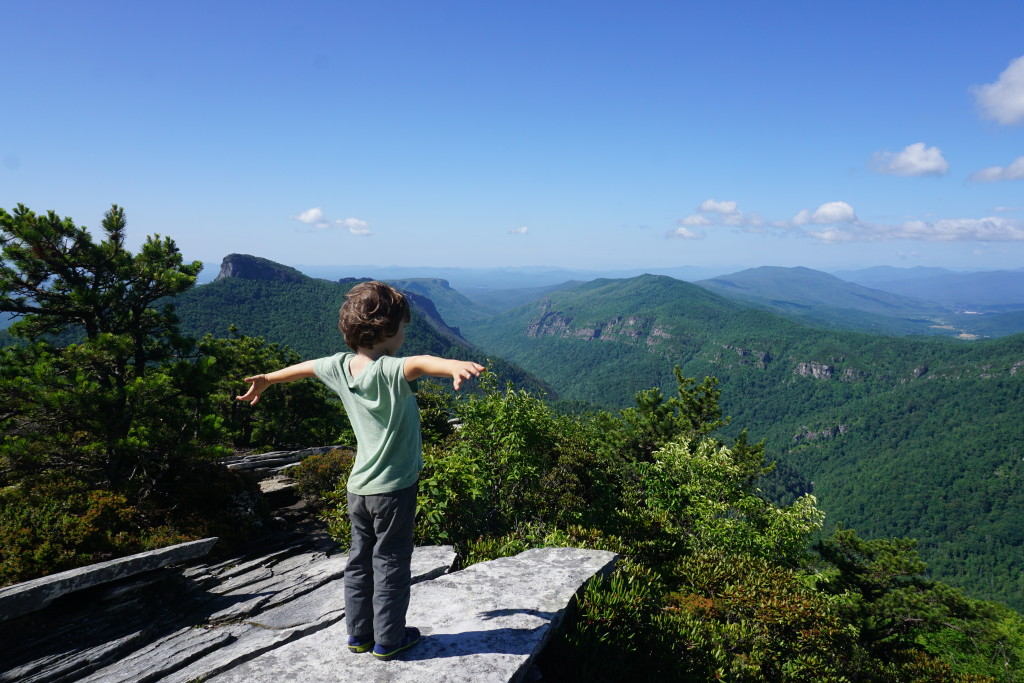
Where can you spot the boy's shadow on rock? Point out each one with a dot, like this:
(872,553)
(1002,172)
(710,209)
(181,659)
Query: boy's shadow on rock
(509,641)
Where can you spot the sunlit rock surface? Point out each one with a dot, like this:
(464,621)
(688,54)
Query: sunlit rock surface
(484,623)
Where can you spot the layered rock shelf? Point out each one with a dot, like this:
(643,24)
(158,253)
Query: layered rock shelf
(279,615)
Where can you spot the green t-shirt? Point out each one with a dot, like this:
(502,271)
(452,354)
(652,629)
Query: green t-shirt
(382,408)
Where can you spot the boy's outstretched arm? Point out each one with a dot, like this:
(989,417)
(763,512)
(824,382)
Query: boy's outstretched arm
(458,370)
(259,383)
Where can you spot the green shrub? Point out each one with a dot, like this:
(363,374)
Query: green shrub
(317,476)
(58,525)
(450,505)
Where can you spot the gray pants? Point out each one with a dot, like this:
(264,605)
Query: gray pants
(377,576)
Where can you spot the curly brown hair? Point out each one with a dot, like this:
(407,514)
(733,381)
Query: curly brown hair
(372,313)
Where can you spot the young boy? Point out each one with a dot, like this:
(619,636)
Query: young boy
(375,389)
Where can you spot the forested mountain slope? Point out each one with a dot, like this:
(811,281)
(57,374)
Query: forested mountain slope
(900,437)
(289,308)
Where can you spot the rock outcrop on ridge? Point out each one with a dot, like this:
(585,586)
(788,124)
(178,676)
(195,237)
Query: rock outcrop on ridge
(249,267)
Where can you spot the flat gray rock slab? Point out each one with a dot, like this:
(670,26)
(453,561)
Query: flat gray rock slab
(36,594)
(485,623)
(278,600)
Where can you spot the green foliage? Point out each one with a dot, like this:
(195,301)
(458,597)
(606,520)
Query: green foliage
(514,463)
(883,592)
(317,476)
(436,411)
(901,437)
(989,642)
(55,276)
(107,440)
(713,580)
(703,492)
(654,422)
(60,525)
(302,414)
(450,506)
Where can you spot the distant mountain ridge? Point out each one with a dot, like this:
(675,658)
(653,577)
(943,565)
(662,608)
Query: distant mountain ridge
(913,306)
(998,290)
(866,276)
(815,297)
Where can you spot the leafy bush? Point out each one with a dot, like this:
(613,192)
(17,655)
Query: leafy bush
(302,414)
(59,526)
(317,476)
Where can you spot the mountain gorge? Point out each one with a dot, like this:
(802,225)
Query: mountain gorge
(896,436)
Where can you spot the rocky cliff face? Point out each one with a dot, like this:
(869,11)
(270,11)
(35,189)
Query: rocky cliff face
(619,328)
(255,268)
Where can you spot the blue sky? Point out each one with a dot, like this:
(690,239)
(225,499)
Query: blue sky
(578,134)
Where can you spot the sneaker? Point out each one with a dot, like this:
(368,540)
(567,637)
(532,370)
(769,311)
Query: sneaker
(356,644)
(412,636)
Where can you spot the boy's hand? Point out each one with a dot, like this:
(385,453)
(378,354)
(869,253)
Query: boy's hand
(258,384)
(289,374)
(458,370)
(464,369)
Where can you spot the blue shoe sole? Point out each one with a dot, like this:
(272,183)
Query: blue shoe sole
(412,636)
(360,647)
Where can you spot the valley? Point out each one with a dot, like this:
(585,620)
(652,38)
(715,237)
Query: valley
(897,436)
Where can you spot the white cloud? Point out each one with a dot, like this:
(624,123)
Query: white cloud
(1004,209)
(684,234)
(803,217)
(695,220)
(728,214)
(834,212)
(355,226)
(314,216)
(521,230)
(714,206)
(1014,171)
(830,212)
(1004,99)
(317,219)
(913,160)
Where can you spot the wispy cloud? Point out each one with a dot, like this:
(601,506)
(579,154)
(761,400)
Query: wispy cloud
(521,230)
(713,212)
(1014,171)
(837,223)
(989,229)
(682,233)
(1004,99)
(912,160)
(355,226)
(316,218)
(696,221)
